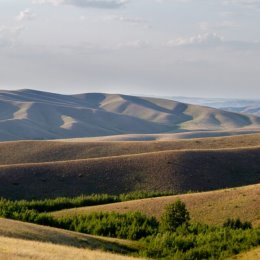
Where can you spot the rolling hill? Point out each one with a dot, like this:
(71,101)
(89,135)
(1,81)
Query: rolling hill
(39,242)
(22,152)
(212,207)
(180,171)
(30,114)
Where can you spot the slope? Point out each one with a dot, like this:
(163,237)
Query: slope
(27,250)
(46,151)
(27,231)
(212,207)
(30,114)
(181,171)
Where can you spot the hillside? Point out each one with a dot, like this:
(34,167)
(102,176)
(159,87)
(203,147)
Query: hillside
(180,171)
(22,230)
(38,242)
(28,250)
(212,207)
(21,152)
(30,114)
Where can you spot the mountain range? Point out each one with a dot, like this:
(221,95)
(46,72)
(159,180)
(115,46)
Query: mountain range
(31,114)
(245,106)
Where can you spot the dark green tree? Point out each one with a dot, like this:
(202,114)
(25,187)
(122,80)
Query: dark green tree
(175,215)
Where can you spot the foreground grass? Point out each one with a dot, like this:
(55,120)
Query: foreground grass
(253,254)
(18,249)
(28,231)
(208,207)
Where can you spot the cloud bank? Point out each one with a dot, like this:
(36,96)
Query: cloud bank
(106,4)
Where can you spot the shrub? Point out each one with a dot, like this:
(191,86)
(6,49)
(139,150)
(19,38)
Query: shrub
(237,224)
(129,226)
(174,216)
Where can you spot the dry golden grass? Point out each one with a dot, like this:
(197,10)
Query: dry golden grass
(250,255)
(22,230)
(208,207)
(18,249)
(46,151)
(53,169)
(181,171)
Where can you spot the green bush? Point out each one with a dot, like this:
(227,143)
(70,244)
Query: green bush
(56,204)
(174,216)
(237,224)
(197,241)
(129,226)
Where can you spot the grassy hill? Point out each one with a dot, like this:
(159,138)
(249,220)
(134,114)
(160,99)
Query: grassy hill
(26,231)
(27,250)
(180,171)
(212,207)
(29,114)
(46,151)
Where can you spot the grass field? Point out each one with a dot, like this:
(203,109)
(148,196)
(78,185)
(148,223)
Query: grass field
(179,171)
(47,151)
(208,207)
(18,249)
(27,231)
(49,169)
(250,255)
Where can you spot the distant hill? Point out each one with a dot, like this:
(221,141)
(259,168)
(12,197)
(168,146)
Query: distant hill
(30,114)
(245,106)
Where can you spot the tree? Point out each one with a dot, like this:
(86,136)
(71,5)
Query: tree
(174,216)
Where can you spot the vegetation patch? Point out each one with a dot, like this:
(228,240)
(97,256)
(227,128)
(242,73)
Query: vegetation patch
(174,237)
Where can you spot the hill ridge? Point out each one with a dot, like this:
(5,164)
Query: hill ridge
(31,114)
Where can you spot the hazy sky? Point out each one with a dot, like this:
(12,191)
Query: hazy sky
(156,47)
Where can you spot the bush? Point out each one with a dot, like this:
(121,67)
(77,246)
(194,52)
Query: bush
(198,241)
(129,226)
(237,224)
(174,216)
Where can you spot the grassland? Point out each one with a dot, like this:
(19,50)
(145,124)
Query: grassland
(49,169)
(26,231)
(22,152)
(212,207)
(250,255)
(18,249)
(180,171)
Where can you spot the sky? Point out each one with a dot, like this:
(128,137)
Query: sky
(202,48)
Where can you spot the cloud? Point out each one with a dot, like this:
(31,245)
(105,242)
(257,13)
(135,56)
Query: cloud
(245,3)
(106,4)
(206,39)
(122,18)
(25,15)
(213,40)
(129,20)
(9,35)
(137,44)
(206,26)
